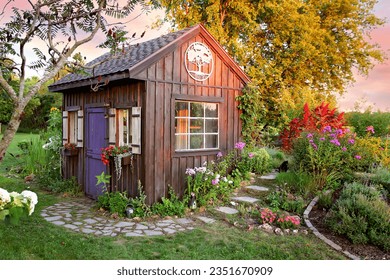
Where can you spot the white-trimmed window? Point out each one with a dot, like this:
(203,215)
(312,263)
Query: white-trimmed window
(72,127)
(124,127)
(72,117)
(196,126)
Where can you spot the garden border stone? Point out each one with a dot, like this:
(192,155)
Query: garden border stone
(319,235)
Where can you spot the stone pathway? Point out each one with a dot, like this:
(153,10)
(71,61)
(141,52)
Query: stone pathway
(79,217)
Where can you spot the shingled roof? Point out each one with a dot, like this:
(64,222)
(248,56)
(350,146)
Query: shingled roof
(122,65)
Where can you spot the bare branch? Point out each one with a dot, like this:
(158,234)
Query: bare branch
(4,7)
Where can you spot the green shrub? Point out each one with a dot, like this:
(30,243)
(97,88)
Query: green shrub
(300,183)
(115,202)
(170,206)
(282,200)
(382,177)
(260,160)
(379,120)
(277,157)
(325,200)
(362,216)
(140,207)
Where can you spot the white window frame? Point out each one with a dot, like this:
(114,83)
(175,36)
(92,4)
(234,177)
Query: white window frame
(120,114)
(204,133)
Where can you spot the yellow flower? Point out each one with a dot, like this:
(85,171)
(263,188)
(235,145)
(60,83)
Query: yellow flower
(54,109)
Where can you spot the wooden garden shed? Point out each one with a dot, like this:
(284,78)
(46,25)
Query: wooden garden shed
(172,100)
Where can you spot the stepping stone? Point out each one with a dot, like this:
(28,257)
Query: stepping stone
(227,210)
(90,221)
(153,232)
(70,226)
(169,231)
(245,199)
(139,226)
(184,221)
(87,230)
(59,223)
(206,219)
(258,188)
(124,224)
(51,219)
(270,176)
(128,234)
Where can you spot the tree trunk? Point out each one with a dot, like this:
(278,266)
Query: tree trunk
(13,126)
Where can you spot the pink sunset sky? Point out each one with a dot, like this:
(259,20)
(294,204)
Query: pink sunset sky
(370,91)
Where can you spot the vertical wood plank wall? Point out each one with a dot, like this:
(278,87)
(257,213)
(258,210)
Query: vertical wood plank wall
(165,79)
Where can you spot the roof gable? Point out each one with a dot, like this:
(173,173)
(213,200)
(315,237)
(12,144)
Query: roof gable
(140,56)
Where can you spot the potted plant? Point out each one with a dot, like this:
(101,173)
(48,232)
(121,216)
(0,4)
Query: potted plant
(117,153)
(70,149)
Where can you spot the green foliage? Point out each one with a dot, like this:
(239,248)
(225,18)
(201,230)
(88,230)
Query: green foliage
(115,202)
(325,200)
(288,47)
(360,121)
(382,177)
(362,216)
(140,207)
(329,156)
(170,206)
(259,160)
(277,157)
(283,200)
(296,182)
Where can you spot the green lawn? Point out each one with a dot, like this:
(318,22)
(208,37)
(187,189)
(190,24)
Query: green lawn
(34,238)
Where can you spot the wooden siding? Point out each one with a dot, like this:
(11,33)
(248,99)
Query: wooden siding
(166,80)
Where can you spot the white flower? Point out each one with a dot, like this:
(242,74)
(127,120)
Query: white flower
(33,200)
(218,176)
(224,179)
(4,197)
(31,195)
(190,171)
(230,182)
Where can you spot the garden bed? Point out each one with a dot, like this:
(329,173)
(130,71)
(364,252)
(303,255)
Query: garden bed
(365,252)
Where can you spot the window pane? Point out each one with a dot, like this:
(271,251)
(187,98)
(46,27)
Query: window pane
(196,126)
(211,141)
(196,141)
(197,110)
(181,142)
(181,109)
(181,125)
(211,126)
(125,127)
(211,110)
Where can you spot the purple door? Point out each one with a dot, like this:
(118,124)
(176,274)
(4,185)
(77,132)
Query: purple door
(96,126)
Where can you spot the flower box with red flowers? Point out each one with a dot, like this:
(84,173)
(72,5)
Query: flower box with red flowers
(70,149)
(110,152)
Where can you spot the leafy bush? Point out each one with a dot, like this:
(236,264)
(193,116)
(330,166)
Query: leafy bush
(170,206)
(325,200)
(382,177)
(361,215)
(140,207)
(329,156)
(300,183)
(283,200)
(360,121)
(260,160)
(314,121)
(115,202)
(277,157)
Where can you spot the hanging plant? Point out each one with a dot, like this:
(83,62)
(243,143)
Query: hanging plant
(117,153)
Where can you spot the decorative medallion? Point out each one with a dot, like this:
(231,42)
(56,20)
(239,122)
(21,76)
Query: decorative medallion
(199,61)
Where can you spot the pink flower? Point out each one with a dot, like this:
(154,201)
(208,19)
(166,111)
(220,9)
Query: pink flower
(250,155)
(335,142)
(370,129)
(309,135)
(215,181)
(327,129)
(322,139)
(351,141)
(219,155)
(344,149)
(239,145)
(358,157)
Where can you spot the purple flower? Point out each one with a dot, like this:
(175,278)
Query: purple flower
(351,141)
(358,157)
(314,146)
(250,155)
(327,129)
(239,145)
(219,155)
(344,149)
(322,139)
(190,171)
(339,131)
(333,135)
(309,135)
(335,142)
(215,181)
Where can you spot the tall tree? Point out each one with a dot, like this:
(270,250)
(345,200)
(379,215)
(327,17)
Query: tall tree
(289,46)
(62,26)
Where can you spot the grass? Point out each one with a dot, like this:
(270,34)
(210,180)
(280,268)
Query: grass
(34,238)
